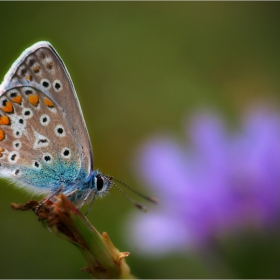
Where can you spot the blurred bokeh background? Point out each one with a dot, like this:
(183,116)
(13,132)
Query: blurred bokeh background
(144,69)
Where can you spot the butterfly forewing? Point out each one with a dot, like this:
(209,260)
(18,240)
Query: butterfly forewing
(41,67)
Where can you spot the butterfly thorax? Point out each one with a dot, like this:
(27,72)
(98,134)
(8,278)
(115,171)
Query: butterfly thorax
(94,185)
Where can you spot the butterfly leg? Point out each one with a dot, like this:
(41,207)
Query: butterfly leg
(71,193)
(90,205)
(85,200)
(50,196)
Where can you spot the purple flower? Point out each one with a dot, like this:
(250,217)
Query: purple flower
(215,183)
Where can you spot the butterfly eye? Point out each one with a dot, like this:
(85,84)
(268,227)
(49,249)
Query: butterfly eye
(99,182)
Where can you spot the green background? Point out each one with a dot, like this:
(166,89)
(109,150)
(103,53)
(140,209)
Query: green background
(141,68)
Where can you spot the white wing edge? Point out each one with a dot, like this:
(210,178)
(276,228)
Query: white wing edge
(7,79)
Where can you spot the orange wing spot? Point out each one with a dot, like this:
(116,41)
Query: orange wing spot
(8,108)
(17,99)
(2,137)
(36,69)
(4,120)
(48,102)
(28,77)
(33,99)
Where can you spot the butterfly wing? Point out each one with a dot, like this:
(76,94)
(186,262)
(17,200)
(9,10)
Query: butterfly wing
(41,67)
(44,143)
(37,149)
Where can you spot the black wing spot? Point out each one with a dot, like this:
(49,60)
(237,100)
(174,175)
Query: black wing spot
(31,62)
(47,158)
(28,91)
(49,66)
(42,141)
(13,157)
(60,130)
(45,84)
(23,72)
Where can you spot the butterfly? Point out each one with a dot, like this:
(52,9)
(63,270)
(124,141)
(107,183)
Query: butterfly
(44,143)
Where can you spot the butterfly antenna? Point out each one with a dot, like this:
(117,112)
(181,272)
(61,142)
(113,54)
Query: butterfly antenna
(151,199)
(138,205)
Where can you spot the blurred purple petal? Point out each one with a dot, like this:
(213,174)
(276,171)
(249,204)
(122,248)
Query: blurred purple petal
(220,182)
(163,233)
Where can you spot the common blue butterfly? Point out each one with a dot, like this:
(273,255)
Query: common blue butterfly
(44,143)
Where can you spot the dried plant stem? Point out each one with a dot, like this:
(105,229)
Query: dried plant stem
(103,259)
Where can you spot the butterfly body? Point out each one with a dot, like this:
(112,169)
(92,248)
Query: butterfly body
(44,142)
